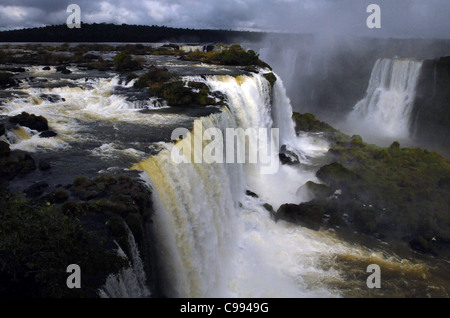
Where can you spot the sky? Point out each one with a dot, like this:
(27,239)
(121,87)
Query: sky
(399,18)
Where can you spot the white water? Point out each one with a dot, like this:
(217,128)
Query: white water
(386,110)
(215,241)
(90,101)
(129,282)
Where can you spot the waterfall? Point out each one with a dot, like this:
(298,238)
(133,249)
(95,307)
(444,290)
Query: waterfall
(208,231)
(386,109)
(129,282)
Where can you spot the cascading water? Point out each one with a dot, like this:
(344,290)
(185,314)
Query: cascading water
(386,110)
(211,235)
(213,239)
(131,281)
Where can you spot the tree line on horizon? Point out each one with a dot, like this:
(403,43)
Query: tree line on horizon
(108,32)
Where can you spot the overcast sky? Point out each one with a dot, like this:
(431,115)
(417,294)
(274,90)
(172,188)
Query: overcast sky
(399,18)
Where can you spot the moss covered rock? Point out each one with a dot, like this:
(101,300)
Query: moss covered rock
(123,62)
(308,123)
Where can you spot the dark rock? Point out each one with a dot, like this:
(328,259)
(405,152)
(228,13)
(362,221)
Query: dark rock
(63,70)
(251,194)
(272,212)
(318,190)
(46,68)
(27,163)
(422,245)
(2,129)
(34,122)
(36,190)
(4,149)
(6,80)
(52,98)
(44,165)
(336,219)
(48,134)
(305,214)
(288,157)
(336,174)
(16,69)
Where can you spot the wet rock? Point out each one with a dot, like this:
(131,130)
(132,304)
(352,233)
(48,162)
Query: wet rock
(27,163)
(52,98)
(34,122)
(63,70)
(306,214)
(318,190)
(48,134)
(288,157)
(2,129)
(423,245)
(6,80)
(16,69)
(336,174)
(44,165)
(251,194)
(4,149)
(36,190)
(46,68)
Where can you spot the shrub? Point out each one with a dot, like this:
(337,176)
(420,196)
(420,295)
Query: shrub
(123,62)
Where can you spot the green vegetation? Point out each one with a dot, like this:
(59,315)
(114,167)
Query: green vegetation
(169,86)
(154,76)
(271,78)
(38,242)
(124,62)
(395,193)
(233,55)
(308,123)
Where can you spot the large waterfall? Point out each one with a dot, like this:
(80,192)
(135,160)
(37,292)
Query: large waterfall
(215,241)
(386,109)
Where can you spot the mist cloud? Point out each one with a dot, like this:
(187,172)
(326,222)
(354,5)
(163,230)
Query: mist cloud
(401,18)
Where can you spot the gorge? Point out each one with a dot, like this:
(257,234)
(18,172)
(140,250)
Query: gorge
(219,229)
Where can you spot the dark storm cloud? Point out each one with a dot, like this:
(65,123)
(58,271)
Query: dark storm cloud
(400,18)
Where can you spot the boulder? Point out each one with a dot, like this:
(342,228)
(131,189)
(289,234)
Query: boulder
(288,157)
(305,214)
(46,68)
(6,80)
(251,194)
(44,165)
(16,69)
(4,149)
(318,190)
(31,121)
(2,129)
(63,70)
(52,98)
(36,190)
(336,174)
(48,134)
